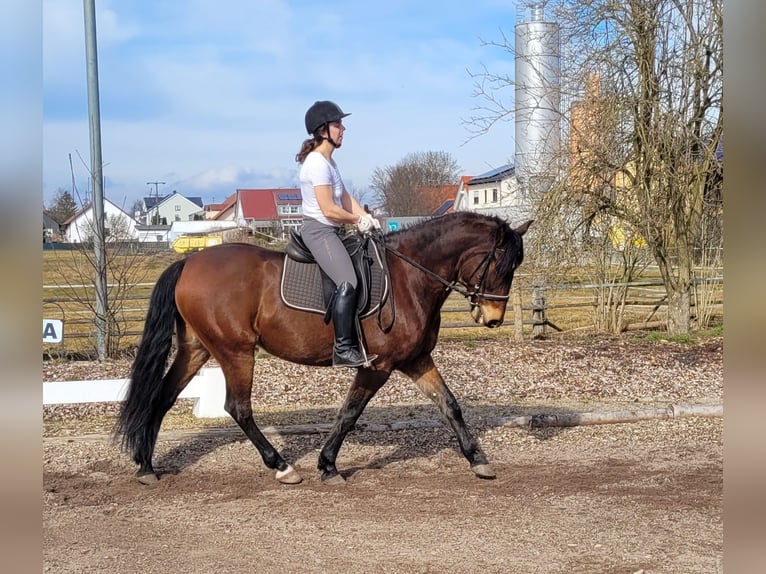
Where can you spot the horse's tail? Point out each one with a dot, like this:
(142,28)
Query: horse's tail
(142,411)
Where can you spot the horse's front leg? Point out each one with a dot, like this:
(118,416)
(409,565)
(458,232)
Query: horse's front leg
(238,371)
(428,379)
(366,384)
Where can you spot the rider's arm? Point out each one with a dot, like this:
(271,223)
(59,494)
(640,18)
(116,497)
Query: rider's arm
(333,211)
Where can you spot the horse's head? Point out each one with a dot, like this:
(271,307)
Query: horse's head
(488,272)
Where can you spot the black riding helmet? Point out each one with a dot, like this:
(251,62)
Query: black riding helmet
(322,113)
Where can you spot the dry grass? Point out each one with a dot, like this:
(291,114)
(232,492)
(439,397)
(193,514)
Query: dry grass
(570,309)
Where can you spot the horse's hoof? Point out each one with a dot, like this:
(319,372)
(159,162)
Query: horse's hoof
(289,476)
(484,471)
(147,478)
(334,480)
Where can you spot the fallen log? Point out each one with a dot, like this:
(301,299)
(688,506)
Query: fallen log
(613,417)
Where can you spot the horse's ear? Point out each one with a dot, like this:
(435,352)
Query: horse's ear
(522,229)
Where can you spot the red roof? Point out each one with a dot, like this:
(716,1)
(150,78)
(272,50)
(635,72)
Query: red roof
(224,208)
(262,203)
(437,195)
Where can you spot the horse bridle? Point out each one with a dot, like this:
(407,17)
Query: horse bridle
(458,286)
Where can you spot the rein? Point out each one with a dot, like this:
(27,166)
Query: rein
(454,285)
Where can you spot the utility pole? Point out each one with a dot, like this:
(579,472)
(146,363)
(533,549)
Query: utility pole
(156,185)
(97,178)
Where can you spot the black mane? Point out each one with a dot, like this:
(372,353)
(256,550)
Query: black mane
(508,242)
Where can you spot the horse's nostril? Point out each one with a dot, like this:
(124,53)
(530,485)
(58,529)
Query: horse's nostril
(494,323)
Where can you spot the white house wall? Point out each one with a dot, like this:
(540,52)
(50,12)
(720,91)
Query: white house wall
(175,207)
(81,228)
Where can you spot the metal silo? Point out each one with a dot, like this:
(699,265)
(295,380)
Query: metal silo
(538,97)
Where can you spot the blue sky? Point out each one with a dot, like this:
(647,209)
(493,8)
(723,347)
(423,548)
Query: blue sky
(210,96)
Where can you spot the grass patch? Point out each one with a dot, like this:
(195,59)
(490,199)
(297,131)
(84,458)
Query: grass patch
(685,339)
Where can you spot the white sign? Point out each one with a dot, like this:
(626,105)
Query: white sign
(53,330)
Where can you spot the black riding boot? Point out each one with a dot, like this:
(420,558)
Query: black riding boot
(346,350)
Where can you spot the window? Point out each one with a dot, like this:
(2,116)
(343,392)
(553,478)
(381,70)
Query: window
(178,217)
(494,195)
(475,197)
(159,237)
(178,208)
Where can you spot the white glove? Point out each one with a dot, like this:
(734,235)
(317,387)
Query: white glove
(375,222)
(365,223)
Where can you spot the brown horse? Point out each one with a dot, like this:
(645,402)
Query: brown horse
(225,301)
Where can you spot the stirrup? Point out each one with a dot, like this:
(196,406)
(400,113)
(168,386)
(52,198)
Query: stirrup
(357,359)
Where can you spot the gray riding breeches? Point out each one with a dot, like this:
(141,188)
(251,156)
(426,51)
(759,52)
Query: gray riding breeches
(327,248)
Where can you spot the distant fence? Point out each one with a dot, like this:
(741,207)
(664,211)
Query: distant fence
(535,310)
(121,246)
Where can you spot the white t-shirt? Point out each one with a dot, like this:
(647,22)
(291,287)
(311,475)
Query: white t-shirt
(316,170)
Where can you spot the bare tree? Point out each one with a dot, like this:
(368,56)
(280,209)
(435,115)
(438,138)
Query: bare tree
(125,266)
(646,136)
(405,188)
(360,194)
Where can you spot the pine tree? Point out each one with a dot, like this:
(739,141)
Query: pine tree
(63,206)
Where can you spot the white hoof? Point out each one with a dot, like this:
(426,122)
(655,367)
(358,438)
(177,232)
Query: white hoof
(289,476)
(484,471)
(148,478)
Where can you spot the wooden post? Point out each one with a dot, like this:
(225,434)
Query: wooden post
(518,315)
(539,321)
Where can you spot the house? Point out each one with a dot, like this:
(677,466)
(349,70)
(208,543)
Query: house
(216,210)
(439,199)
(270,212)
(496,192)
(461,197)
(51,228)
(174,207)
(118,225)
(223,211)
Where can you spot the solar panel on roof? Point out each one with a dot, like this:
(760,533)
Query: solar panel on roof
(494,172)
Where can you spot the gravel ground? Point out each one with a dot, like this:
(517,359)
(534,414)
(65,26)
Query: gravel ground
(644,497)
(604,370)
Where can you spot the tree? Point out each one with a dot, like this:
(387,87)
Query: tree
(361,195)
(125,268)
(403,189)
(646,139)
(63,206)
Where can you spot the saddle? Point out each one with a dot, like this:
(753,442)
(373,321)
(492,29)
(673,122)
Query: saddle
(306,287)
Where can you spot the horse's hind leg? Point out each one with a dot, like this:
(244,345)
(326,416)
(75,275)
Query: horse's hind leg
(428,379)
(190,357)
(365,385)
(238,371)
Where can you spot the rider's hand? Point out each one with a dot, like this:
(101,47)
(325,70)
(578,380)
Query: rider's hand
(375,223)
(366,223)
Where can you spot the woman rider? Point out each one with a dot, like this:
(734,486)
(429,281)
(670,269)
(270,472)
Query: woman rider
(326,207)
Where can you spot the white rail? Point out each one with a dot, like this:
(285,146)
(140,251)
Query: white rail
(207,388)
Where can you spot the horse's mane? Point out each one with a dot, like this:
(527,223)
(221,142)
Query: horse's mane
(508,242)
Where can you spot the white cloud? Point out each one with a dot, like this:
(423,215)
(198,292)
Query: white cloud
(210,96)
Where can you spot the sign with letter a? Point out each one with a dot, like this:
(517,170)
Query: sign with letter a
(53,331)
